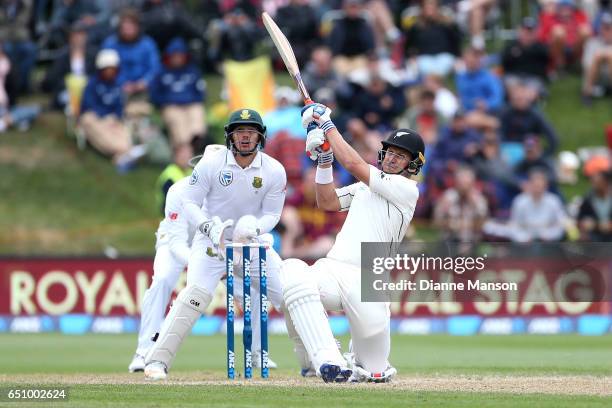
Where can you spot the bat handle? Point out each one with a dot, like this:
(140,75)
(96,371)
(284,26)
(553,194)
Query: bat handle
(312,125)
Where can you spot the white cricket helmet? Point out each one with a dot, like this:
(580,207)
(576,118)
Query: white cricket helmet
(107,58)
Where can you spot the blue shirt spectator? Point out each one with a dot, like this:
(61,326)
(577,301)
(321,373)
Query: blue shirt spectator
(103,95)
(138,53)
(177,85)
(477,87)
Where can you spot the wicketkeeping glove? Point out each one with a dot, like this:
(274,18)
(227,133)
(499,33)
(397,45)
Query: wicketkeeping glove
(214,228)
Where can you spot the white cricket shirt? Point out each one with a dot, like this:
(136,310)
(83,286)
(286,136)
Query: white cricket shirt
(220,187)
(379,212)
(175,230)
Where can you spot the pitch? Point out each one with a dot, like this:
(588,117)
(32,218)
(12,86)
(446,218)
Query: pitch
(433,371)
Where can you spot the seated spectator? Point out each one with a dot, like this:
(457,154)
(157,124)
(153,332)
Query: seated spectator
(351,38)
(500,183)
(93,15)
(76,60)
(12,114)
(565,31)
(178,91)
(597,62)
(525,60)
(383,24)
(605,7)
(433,40)
(139,59)
(235,38)
(165,20)
(595,213)
(365,141)
(379,104)
(446,103)
(458,143)
(536,214)
(298,21)
(102,112)
(423,118)
(282,119)
(16,39)
(521,120)
(309,231)
(535,159)
(462,209)
(319,72)
(481,92)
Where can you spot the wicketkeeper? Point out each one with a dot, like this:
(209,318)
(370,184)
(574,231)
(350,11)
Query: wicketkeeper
(242,183)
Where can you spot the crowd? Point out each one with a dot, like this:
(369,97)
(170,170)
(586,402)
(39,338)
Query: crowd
(129,77)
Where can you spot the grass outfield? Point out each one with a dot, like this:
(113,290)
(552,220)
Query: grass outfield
(433,371)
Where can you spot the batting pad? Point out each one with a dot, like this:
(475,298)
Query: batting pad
(186,310)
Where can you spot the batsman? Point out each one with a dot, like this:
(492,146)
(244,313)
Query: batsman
(238,182)
(380,207)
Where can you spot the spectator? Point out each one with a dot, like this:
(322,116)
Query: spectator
(75,59)
(424,118)
(379,104)
(595,213)
(481,92)
(564,30)
(178,91)
(597,61)
(536,214)
(462,210)
(139,57)
(525,60)
(445,102)
(309,231)
(282,119)
(383,24)
(299,22)
(102,112)
(236,38)
(93,15)
(16,39)
(178,169)
(11,113)
(433,40)
(365,141)
(458,143)
(534,159)
(351,39)
(319,72)
(500,183)
(165,20)
(521,120)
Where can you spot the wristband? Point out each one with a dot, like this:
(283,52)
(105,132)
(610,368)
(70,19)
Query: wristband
(324,175)
(328,125)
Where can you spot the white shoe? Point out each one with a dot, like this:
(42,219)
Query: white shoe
(137,364)
(361,375)
(155,371)
(256,361)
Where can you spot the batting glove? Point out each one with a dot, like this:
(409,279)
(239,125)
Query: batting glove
(214,228)
(314,142)
(318,114)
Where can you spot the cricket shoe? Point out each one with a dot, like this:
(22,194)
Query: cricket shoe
(256,361)
(361,375)
(137,365)
(334,373)
(156,370)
